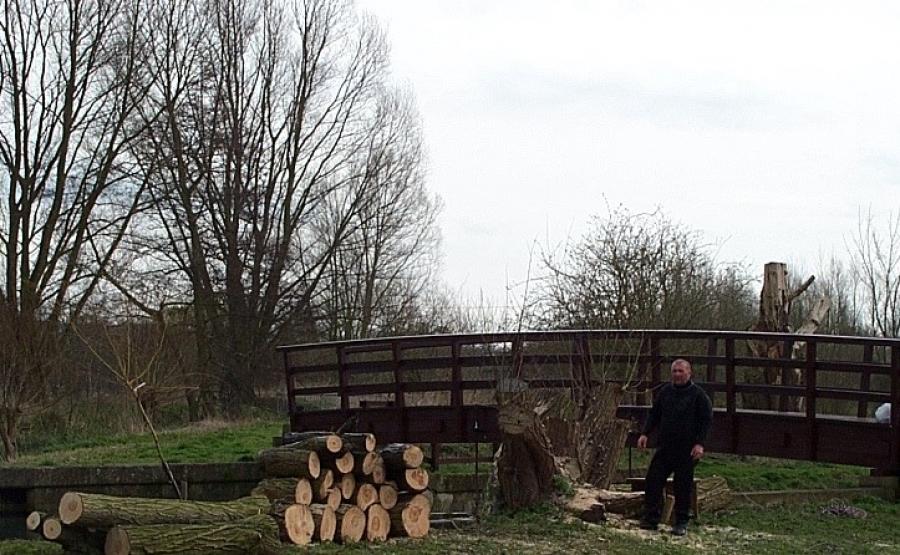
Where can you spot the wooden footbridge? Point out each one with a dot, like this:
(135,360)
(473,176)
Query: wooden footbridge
(816,404)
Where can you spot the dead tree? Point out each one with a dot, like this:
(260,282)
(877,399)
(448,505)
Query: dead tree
(774,313)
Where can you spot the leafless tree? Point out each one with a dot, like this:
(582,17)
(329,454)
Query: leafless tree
(70,85)
(642,271)
(875,259)
(380,274)
(271,134)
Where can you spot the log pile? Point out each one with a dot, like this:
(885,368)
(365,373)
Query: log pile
(322,487)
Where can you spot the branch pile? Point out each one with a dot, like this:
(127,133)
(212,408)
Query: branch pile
(322,487)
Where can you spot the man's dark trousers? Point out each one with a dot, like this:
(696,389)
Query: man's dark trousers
(665,461)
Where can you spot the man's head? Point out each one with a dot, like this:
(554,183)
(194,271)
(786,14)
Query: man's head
(681,371)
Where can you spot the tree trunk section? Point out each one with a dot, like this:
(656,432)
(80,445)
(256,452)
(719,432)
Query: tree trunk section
(400,456)
(290,463)
(297,489)
(341,463)
(364,463)
(323,484)
(295,523)
(73,539)
(415,479)
(325,522)
(257,534)
(333,498)
(411,517)
(525,465)
(320,442)
(387,495)
(347,485)
(34,520)
(103,511)
(365,496)
(602,450)
(378,523)
(359,442)
(351,523)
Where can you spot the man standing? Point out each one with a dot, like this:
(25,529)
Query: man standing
(682,412)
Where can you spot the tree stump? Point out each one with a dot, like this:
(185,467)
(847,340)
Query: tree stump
(256,534)
(525,465)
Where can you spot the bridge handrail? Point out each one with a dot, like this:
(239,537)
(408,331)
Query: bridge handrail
(394,370)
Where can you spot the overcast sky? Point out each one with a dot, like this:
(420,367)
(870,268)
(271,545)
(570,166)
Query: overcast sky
(765,125)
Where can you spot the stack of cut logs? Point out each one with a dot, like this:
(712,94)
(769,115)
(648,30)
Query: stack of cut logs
(319,487)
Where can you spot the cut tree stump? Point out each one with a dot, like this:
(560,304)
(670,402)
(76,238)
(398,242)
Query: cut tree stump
(103,511)
(256,534)
(525,465)
(351,524)
(401,456)
(298,489)
(411,517)
(378,523)
(290,463)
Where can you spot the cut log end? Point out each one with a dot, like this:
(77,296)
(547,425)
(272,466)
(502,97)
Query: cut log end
(52,528)
(299,524)
(378,523)
(352,523)
(33,521)
(117,542)
(71,507)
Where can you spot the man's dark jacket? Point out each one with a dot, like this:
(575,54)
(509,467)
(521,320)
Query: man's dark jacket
(683,414)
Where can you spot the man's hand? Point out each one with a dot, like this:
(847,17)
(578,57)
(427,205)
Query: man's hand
(642,441)
(696,452)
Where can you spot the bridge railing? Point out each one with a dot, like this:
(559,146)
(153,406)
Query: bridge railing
(442,388)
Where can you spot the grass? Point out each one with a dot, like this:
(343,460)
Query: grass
(792,529)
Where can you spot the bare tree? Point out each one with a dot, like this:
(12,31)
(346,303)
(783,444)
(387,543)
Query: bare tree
(270,111)
(379,275)
(641,271)
(70,85)
(875,256)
